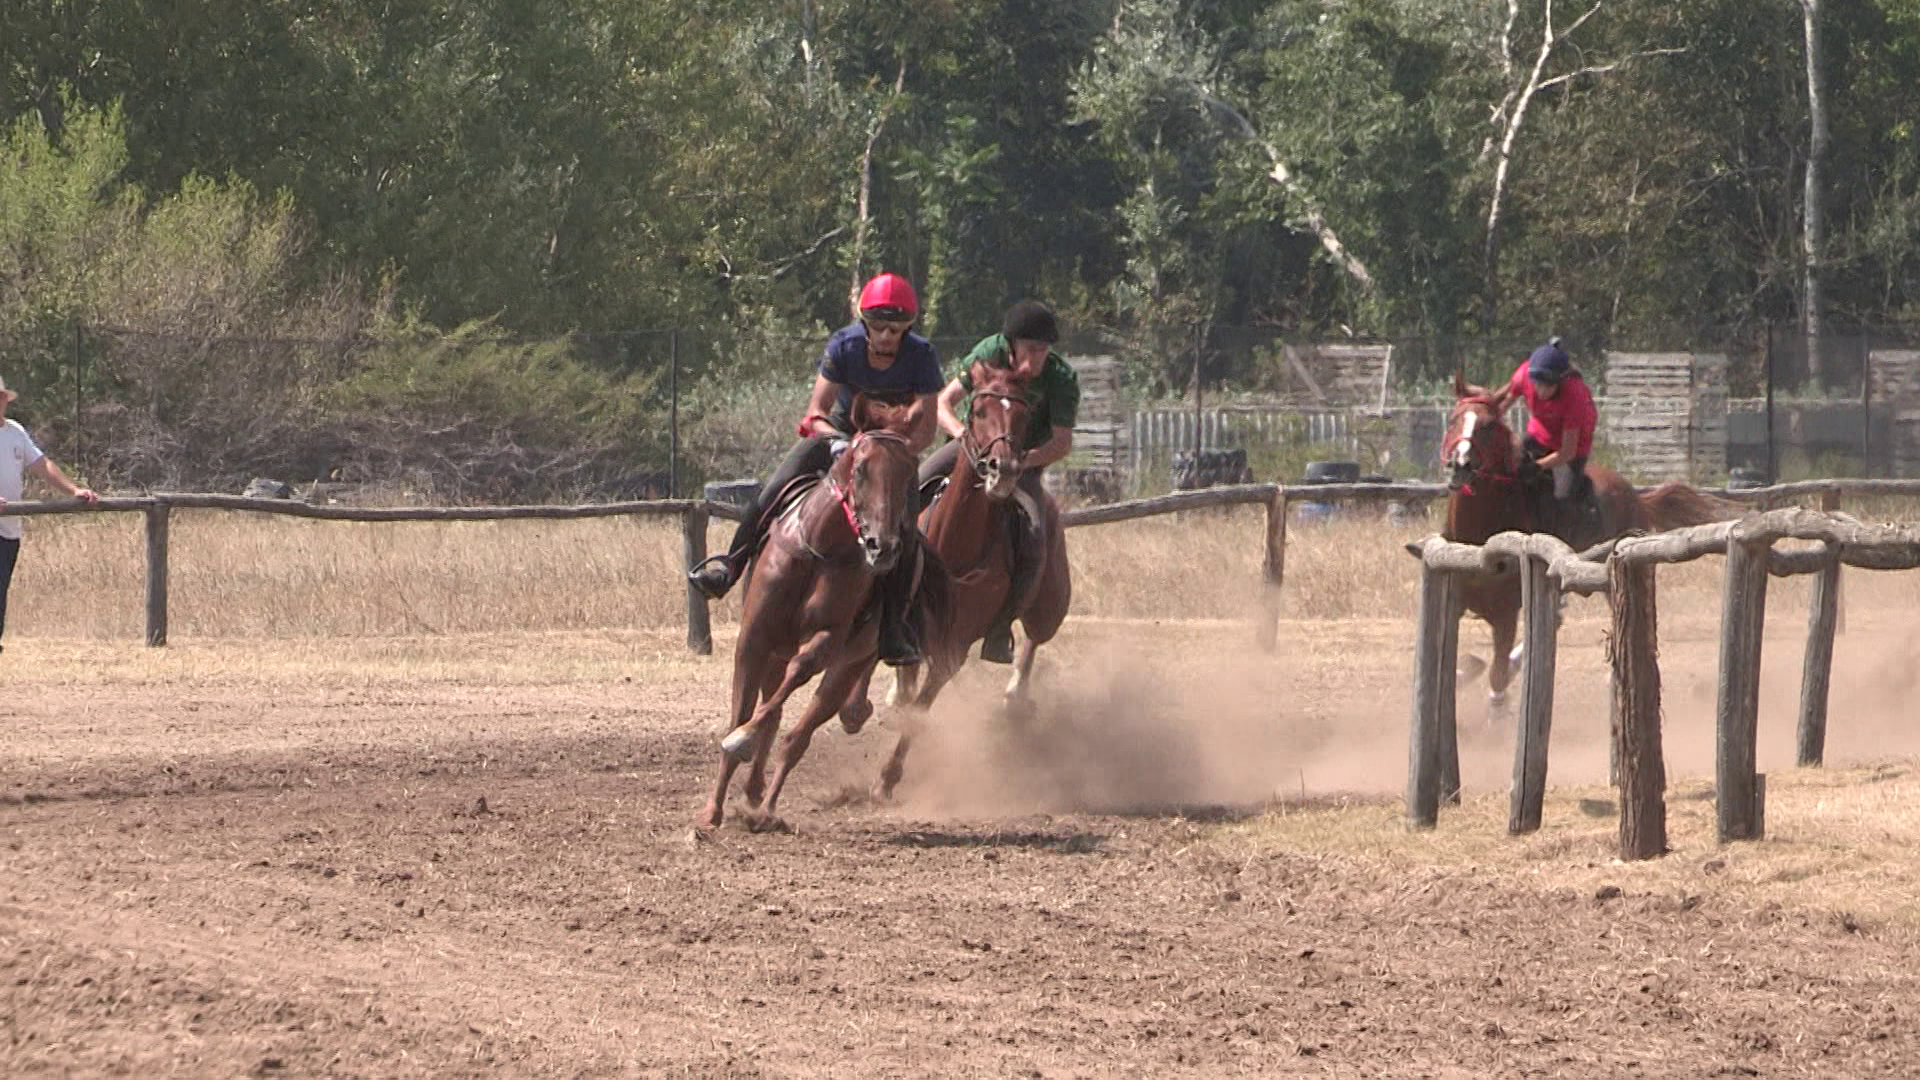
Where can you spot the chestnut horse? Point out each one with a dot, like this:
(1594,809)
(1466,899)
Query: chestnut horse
(1483,458)
(969,529)
(802,614)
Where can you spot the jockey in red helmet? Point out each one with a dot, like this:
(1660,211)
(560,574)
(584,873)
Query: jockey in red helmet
(879,355)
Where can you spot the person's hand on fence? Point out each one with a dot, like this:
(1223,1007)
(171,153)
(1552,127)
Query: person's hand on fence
(86,495)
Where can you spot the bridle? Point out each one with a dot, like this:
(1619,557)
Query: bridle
(844,495)
(977,453)
(1461,454)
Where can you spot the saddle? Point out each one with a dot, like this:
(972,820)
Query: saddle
(1578,520)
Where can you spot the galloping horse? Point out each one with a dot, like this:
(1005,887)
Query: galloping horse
(803,611)
(1488,496)
(970,530)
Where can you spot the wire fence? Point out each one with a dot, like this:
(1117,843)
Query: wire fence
(658,413)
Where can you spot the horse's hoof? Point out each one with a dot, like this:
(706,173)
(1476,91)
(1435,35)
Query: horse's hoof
(711,818)
(738,744)
(852,720)
(767,823)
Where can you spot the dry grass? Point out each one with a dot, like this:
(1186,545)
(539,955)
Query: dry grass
(243,575)
(1839,842)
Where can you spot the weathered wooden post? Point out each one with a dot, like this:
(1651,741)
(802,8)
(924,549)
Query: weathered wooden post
(1445,693)
(1830,504)
(1743,615)
(1429,660)
(693,526)
(1273,569)
(1634,652)
(157,574)
(1816,672)
(1540,608)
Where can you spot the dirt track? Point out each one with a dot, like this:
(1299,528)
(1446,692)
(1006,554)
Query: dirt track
(369,865)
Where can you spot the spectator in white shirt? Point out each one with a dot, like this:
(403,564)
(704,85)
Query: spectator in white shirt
(18,457)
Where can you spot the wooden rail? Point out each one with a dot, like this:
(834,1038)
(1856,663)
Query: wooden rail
(1579,573)
(1623,570)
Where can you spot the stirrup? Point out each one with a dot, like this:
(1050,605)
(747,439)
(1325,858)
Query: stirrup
(697,576)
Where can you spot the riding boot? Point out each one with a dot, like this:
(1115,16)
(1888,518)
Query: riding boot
(715,576)
(997,646)
(899,645)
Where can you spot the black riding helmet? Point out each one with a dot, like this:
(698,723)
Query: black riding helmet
(1031,320)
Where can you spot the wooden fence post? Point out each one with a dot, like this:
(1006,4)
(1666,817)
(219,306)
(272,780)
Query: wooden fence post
(1423,761)
(1830,504)
(1743,615)
(1816,673)
(1446,693)
(1540,605)
(1635,656)
(157,574)
(693,531)
(1273,569)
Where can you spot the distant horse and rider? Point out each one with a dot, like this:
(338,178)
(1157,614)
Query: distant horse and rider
(1540,481)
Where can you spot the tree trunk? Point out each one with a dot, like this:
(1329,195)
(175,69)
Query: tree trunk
(866,188)
(1814,233)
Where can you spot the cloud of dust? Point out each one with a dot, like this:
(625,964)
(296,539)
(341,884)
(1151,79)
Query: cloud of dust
(1140,730)
(1176,717)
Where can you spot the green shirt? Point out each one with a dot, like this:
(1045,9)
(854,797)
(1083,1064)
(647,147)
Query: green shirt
(1053,398)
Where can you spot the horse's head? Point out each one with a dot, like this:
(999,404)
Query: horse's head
(996,429)
(1478,442)
(874,478)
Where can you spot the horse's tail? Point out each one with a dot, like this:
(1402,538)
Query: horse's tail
(1674,505)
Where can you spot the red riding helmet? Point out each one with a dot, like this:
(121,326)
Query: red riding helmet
(889,297)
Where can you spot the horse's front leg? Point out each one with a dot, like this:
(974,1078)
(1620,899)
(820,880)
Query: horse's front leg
(807,662)
(858,708)
(755,788)
(1020,687)
(1500,674)
(752,666)
(828,697)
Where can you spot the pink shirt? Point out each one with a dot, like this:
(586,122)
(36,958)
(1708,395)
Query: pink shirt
(1549,418)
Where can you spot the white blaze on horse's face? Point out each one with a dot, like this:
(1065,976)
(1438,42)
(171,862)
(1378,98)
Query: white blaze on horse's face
(1463,450)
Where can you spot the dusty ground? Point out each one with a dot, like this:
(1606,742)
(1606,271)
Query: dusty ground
(473,856)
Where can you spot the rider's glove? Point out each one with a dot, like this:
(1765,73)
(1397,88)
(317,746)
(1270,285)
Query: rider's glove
(837,445)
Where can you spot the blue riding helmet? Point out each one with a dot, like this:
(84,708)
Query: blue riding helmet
(1549,363)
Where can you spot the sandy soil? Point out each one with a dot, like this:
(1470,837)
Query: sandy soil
(474,857)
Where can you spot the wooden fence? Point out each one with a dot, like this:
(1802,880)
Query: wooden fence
(1624,571)
(694,516)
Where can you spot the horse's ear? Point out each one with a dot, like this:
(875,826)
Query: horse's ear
(860,412)
(1459,383)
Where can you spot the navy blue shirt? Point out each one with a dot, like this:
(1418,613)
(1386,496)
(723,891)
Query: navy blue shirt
(915,368)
